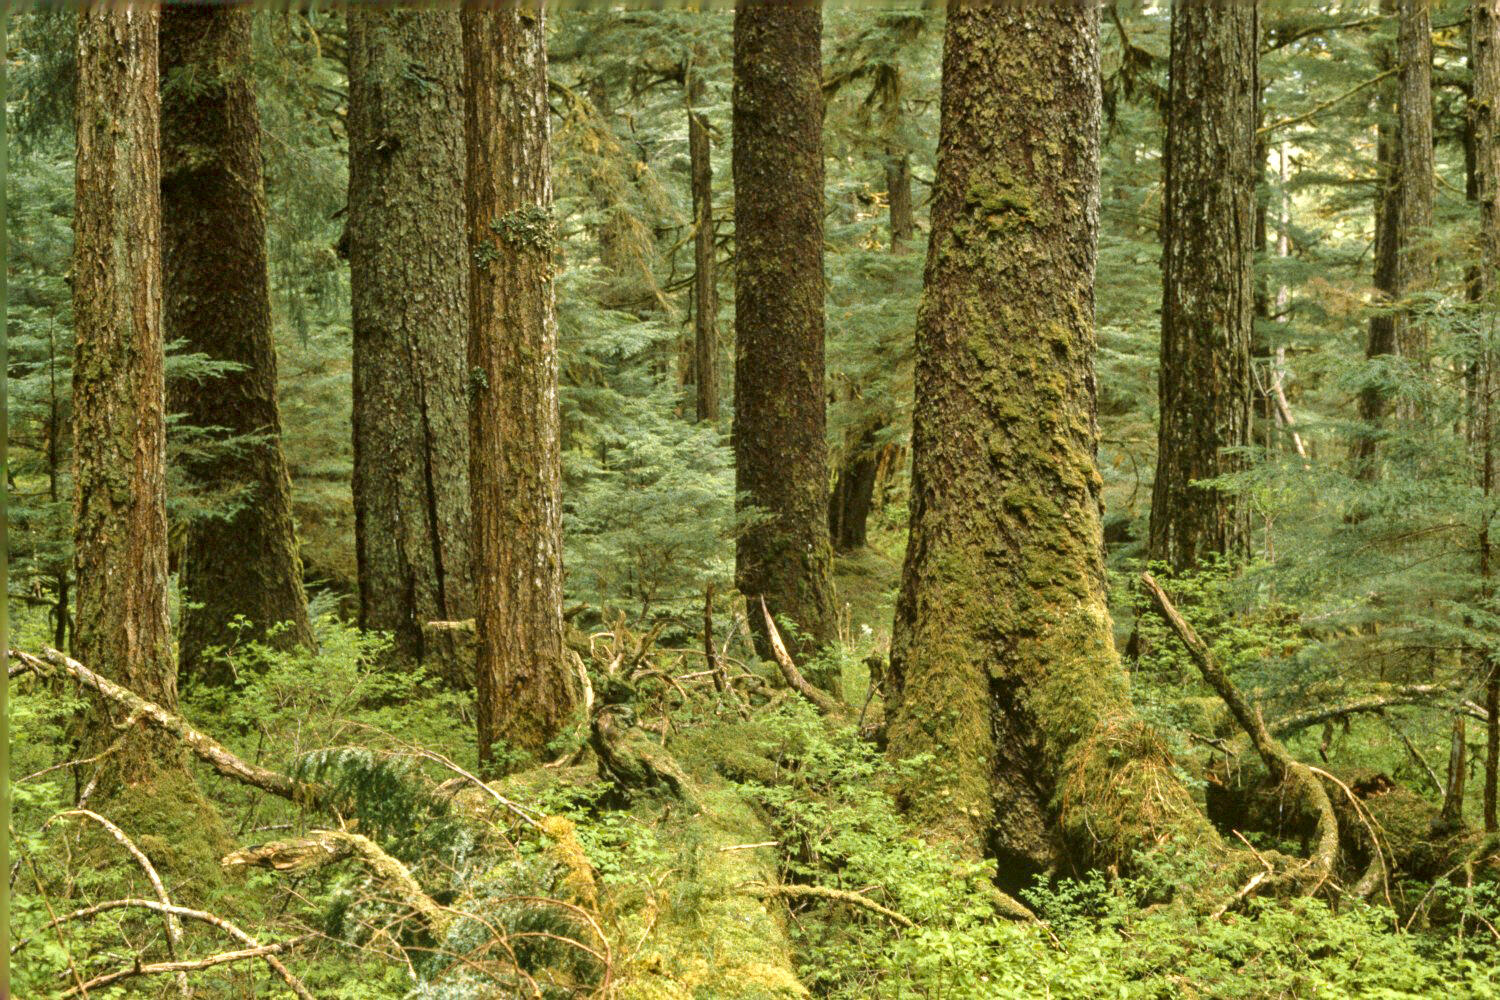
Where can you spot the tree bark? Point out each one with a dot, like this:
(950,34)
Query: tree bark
(781,456)
(1484,58)
(705,277)
(853,496)
(898,192)
(408,274)
(1208,294)
(514,450)
(218,300)
(1003,668)
(119,400)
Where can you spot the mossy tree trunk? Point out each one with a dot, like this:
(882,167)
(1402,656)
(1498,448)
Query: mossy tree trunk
(218,300)
(408,273)
(1484,60)
(781,457)
(705,269)
(1003,667)
(119,435)
(514,449)
(898,192)
(1208,295)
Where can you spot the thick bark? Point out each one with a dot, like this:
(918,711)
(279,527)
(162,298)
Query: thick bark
(1208,295)
(853,495)
(218,300)
(1484,39)
(705,274)
(781,457)
(514,449)
(1002,663)
(119,399)
(409,282)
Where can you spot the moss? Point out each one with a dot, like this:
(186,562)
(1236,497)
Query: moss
(170,820)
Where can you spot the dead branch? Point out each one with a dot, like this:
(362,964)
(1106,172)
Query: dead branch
(324,847)
(1411,694)
(824,701)
(292,982)
(761,890)
(174,926)
(205,747)
(1284,768)
(182,968)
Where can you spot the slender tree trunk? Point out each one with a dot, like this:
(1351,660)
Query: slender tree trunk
(854,495)
(898,191)
(1418,188)
(1484,40)
(409,274)
(705,274)
(781,457)
(514,458)
(1003,667)
(218,300)
(1207,278)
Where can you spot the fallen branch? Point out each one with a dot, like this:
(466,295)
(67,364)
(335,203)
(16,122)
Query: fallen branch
(205,747)
(292,982)
(762,891)
(182,968)
(174,927)
(1284,768)
(324,847)
(1411,694)
(824,701)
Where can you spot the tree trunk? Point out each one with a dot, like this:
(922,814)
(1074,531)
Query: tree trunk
(120,441)
(781,457)
(1484,39)
(408,273)
(514,457)
(705,287)
(1208,294)
(1002,663)
(853,496)
(218,300)
(898,191)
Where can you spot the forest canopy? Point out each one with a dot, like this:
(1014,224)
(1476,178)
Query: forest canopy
(775,501)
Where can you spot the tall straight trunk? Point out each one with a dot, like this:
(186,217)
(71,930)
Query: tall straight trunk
(1403,257)
(514,450)
(705,275)
(218,300)
(1003,668)
(781,457)
(409,272)
(1208,296)
(1484,59)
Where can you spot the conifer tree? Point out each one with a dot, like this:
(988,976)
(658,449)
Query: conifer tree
(218,301)
(781,456)
(705,268)
(409,282)
(1003,666)
(514,449)
(1207,316)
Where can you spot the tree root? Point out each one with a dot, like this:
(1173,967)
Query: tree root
(1283,767)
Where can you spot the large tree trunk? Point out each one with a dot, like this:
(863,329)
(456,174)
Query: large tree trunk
(781,457)
(1484,58)
(1208,296)
(1002,663)
(705,274)
(853,494)
(1403,212)
(408,273)
(514,456)
(119,439)
(218,301)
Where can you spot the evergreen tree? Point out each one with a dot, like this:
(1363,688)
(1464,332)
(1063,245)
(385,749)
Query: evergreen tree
(705,267)
(1003,667)
(514,461)
(1207,315)
(217,301)
(409,284)
(781,466)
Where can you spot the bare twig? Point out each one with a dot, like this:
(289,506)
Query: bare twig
(762,890)
(182,968)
